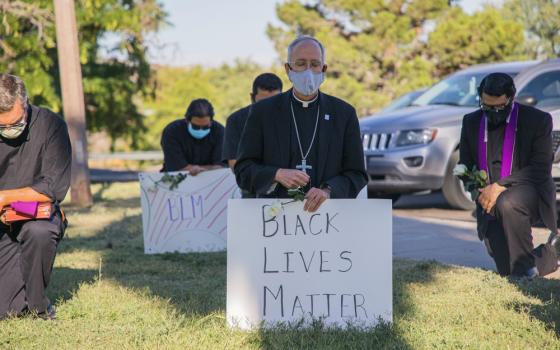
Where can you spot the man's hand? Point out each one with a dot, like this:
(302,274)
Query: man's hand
(291,178)
(194,169)
(3,204)
(489,195)
(24,194)
(314,198)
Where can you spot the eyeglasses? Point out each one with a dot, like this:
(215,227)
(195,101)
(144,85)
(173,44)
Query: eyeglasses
(22,123)
(498,108)
(301,65)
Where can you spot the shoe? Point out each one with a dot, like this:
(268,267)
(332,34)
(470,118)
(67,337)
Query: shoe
(49,314)
(532,273)
(554,241)
(529,275)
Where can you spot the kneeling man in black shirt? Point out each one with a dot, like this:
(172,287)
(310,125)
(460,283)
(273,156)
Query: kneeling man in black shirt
(193,144)
(35,161)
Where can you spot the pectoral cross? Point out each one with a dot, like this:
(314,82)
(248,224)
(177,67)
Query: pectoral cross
(303,166)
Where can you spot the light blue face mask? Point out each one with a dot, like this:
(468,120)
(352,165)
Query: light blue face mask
(198,134)
(306,82)
(13,132)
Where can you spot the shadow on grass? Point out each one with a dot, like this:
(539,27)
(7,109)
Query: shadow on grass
(195,284)
(98,195)
(124,203)
(548,292)
(66,281)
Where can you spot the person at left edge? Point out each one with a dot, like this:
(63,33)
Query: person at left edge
(193,144)
(35,162)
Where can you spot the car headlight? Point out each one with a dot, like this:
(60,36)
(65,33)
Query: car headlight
(415,137)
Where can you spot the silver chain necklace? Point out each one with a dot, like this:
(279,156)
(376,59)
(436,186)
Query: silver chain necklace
(304,167)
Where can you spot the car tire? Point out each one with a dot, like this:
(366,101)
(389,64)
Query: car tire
(453,190)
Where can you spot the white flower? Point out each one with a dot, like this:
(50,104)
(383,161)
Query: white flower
(460,170)
(275,209)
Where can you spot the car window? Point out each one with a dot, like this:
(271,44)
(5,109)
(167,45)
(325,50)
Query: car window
(457,90)
(545,88)
(403,101)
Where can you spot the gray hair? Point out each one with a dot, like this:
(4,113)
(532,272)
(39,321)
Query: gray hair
(301,39)
(12,89)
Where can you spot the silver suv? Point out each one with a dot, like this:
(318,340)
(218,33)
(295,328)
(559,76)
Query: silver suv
(414,149)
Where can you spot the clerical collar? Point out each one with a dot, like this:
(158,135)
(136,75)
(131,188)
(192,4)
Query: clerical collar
(305,104)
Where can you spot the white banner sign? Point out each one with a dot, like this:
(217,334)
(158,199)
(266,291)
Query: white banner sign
(334,265)
(189,218)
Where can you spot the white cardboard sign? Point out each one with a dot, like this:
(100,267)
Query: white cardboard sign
(334,265)
(190,218)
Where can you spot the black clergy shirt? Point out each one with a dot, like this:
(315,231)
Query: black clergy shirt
(39,158)
(532,161)
(269,143)
(234,127)
(306,118)
(180,148)
(494,149)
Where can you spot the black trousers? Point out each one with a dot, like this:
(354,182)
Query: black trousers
(26,259)
(509,239)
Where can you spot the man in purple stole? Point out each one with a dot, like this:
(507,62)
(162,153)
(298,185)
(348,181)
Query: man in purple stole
(513,143)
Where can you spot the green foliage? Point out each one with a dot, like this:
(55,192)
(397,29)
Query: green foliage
(473,179)
(171,180)
(226,87)
(377,50)
(296,194)
(27,35)
(111,83)
(541,20)
(461,40)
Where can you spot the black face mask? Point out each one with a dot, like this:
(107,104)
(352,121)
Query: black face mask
(497,118)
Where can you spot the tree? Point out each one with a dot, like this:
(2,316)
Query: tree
(112,81)
(370,44)
(541,19)
(26,34)
(460,40)
(377,50)
(227,87)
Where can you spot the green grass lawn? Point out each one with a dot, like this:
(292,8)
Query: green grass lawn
(109,295)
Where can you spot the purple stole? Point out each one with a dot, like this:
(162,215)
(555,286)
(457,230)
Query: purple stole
(508,147)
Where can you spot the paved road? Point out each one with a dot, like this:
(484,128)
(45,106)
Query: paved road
(424,227)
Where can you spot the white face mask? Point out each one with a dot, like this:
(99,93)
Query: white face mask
(306,82)
(13,132)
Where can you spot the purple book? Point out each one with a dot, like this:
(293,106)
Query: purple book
(26,208)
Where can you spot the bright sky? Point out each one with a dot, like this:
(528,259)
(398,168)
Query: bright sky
(212,32)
